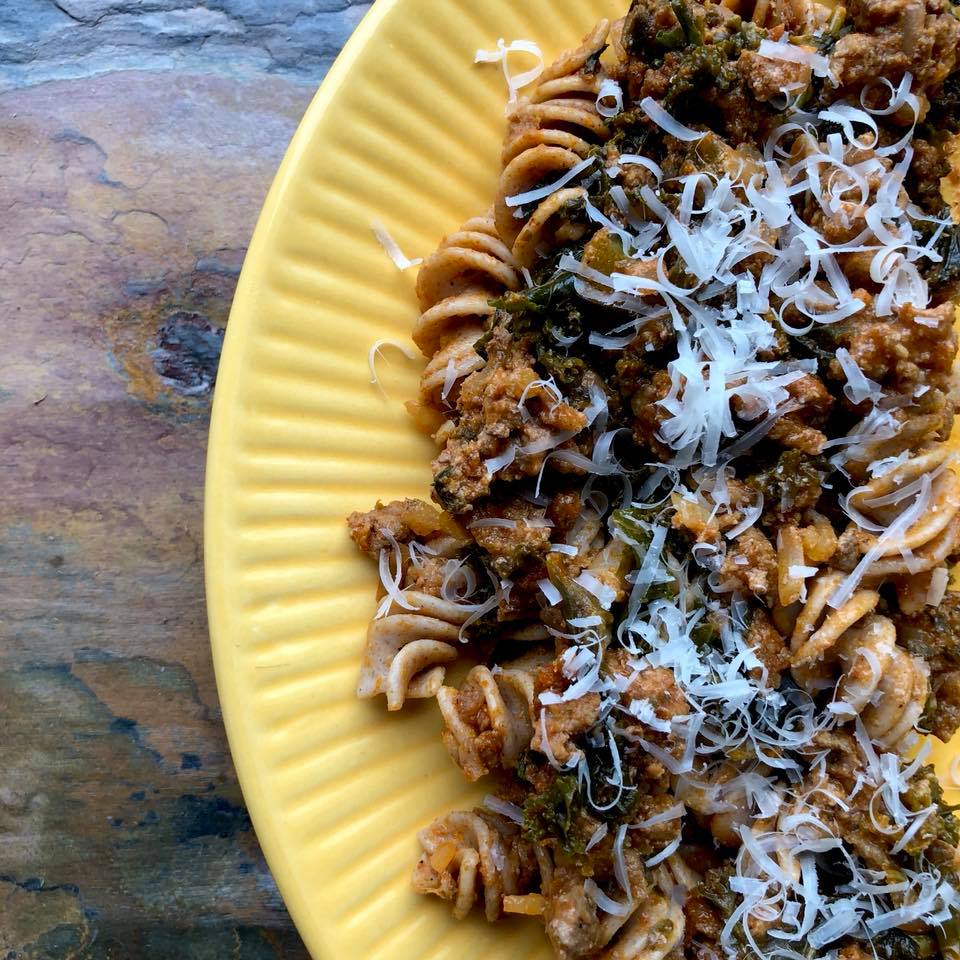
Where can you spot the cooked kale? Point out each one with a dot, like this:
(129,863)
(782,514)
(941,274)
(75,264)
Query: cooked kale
(552,813)
(606,801)
(791,485)
(709,66)
(947,272)
(576,601)
(631,525)
(897,945)
(673,39)
(631,136)
(947,827)
(569,373)
(707,631)
(546,296)
(934,632)
(448,500)
(715,889)
(647,29)
(949,934)
(838,27)
(552,313)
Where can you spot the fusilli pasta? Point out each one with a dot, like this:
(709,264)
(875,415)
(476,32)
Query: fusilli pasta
(406,648)
(465,858)
(489,720)
(550,133)
(691,378)
(454,287)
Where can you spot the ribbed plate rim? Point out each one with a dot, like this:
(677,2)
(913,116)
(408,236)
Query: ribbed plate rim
(223,412)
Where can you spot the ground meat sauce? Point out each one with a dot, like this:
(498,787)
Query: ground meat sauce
(609,538)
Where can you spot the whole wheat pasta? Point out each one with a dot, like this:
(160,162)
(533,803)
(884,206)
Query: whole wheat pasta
(690,380)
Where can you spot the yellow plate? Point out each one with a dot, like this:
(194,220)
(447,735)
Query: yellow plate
(405,129)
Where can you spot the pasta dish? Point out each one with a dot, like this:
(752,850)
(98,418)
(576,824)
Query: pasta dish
(691,378)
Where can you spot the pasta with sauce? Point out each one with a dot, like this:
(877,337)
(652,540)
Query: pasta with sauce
(690,381)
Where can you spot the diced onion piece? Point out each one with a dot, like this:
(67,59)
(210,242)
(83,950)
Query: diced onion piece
(527,905)
(441,857)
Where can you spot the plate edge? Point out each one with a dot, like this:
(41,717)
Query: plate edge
(222,424)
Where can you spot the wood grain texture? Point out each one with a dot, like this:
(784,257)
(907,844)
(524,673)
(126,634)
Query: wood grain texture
(135,151)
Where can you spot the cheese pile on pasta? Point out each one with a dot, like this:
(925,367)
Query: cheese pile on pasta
(691,378)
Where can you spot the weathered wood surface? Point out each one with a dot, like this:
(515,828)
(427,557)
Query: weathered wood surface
(137,140)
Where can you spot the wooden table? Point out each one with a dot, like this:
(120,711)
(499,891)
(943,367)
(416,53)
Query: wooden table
(135,152)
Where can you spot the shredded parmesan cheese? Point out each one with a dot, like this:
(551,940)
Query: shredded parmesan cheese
(515,81)
(400,261)
(374,352)
(795,54)
(667,123)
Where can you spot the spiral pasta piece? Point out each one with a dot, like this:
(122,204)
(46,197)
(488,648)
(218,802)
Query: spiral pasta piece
(720,803)
(815,631)
(911,434)
(406,649)
(881,682)
(577,926)
(675,878)
(464,858)
(933,536)
(651,933)
(454,288)
(797,549)
(489,720)
(563,96)
(551,130)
